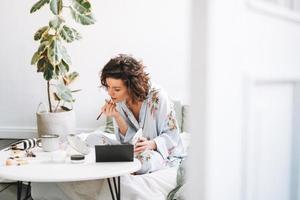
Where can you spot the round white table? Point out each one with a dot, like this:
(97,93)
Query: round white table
(46,168)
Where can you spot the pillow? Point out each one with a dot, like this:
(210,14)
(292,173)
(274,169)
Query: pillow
(178,112)
(186,139)
(185,118)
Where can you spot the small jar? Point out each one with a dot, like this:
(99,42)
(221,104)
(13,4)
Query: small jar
(77,158)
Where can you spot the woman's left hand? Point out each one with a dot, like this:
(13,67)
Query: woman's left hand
(143,144)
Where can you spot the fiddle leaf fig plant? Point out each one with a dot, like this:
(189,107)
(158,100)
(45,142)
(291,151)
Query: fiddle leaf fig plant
(51,57)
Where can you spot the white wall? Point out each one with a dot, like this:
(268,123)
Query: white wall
(241,43)
(155,31)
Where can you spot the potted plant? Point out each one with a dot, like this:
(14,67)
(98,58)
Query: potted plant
(53,60)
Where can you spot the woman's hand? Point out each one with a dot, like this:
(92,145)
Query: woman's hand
(144,144)
(109,109)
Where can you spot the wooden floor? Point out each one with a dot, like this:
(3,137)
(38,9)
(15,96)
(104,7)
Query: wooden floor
(6,142)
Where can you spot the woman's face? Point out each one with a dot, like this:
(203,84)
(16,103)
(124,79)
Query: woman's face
(117,90)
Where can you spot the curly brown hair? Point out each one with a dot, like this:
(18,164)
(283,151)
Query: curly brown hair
(131,71)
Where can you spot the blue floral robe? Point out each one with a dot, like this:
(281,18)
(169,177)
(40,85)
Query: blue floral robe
(158,122)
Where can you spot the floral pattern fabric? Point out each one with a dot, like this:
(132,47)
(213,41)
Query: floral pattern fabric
(158,122)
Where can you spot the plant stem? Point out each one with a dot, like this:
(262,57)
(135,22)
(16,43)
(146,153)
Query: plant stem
(49,98)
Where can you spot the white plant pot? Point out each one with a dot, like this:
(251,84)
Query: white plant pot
(61,123)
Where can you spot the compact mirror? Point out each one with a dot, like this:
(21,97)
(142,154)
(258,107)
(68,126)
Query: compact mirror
(78,144)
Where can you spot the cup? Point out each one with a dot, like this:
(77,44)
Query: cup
(50,142)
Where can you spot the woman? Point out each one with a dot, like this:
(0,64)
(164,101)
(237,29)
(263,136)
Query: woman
(136,105)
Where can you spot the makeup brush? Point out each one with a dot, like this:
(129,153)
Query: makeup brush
(99,115)
(107,101)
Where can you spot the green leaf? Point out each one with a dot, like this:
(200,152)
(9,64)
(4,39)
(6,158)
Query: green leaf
(56,6)
(65,56)
(54,54)
(38,5)
(76,34)
(65,64)
(56,70)
(44,66)
(73,76)
(35,58)
(47,37)
(38,54)
(41,65)
(84,19)
(56,22)
(64,93)
(69,78)
(66,34)
(76,90)
(48,73)
(65,108)
(40,32)
(43,46)
(82,6)
(62,68)
(69,34)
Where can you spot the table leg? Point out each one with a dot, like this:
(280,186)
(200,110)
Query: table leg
(28,192)
(119,186)
(20,189)
(116,190)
